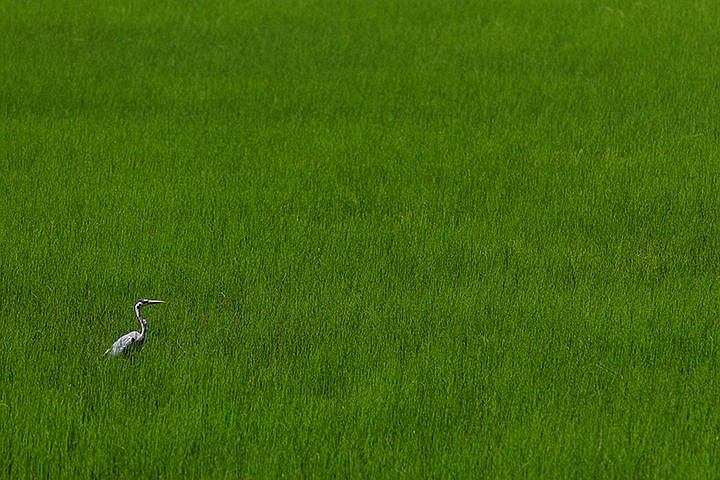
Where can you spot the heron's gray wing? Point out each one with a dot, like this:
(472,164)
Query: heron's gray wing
(122,343)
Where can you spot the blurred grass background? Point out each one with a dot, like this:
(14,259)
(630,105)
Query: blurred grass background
(396,238)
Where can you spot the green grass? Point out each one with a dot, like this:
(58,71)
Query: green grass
(396,239)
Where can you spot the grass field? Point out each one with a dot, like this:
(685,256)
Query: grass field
(397,239)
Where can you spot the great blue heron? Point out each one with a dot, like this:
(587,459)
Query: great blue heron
(133,341)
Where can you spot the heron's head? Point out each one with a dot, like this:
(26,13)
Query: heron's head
(144,301)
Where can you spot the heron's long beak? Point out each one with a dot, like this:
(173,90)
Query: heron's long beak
(151,302)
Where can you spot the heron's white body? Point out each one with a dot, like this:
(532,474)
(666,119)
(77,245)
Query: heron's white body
(126,344)
(133,341)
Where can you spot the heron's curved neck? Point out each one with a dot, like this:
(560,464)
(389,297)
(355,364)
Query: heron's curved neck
(143,330)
